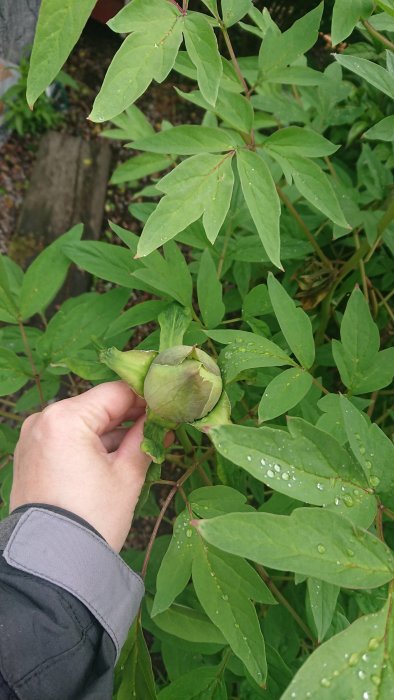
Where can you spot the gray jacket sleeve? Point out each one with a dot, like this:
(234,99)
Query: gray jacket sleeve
(67,601)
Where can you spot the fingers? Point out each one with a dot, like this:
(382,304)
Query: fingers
(104,407)
(129,454)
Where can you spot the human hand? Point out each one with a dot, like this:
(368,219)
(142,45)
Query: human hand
(73,455)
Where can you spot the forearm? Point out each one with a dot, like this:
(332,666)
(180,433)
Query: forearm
(66,602)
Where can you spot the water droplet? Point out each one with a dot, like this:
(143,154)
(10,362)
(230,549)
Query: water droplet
(236,626)
(249,458)
(336,673)
(374,480)
(361,674)
(373,644)
(262,462)
(356,492)
(350,553)
(362,450)
(368,464)
(319,486)
(325,682)
(189,533)
(366,695)
(285,476)
(353,659)
(270,473)
(348,501)
(365,657)
(336,501)
(321,548)
(376,680)
(277,467)
(225,597)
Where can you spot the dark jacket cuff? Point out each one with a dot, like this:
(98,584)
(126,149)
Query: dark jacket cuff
(62,550)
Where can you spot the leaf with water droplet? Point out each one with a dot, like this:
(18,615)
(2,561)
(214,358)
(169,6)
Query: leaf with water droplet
(133,673)
(372,448)
(176,566)
(319,470)
(349,670)
(224,583)
(290,543)
(323,598)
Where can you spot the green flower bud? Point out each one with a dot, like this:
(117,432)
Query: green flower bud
(183,384)
(131,366)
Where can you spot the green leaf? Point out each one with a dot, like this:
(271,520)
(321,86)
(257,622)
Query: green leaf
(131,124)
(262,201)
(46,274)
(234,10)
(372,448)
(205,683)
(176,567)
(134,669)
(294,323)
(174,321)
(248,354)
(345,17)
(223,593)
(378,375)
(137,15)
(190,624)
(11,280)
(140,166)
(157,274)
(382,131)
(316,187)
(14,372)
(323,600)
(311,541)
(203,50)
(209,292)
(361,366)
(58,28)
(374,74)
(142,57)
(209,501)
(298,141)
(356,663)
(79,319)
(188,140)
(359,334)
(278,51)
(284,392)
(189,190)
(138,315)
(308,465)
(110,262)
(235,110)
(387,6)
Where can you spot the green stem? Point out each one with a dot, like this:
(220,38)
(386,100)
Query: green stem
(11,416)
(280,597)
(293,211)
(36,374)
(377,35)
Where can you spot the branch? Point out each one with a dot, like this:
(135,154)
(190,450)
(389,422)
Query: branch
(293,211)
(377,35)
(36,374)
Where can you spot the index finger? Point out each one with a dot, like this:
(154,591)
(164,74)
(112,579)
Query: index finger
(106,406)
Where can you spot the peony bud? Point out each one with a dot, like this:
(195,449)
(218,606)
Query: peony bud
(183,384)
(131,366)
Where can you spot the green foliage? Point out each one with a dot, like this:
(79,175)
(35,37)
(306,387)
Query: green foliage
(267,238)
(19,117)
